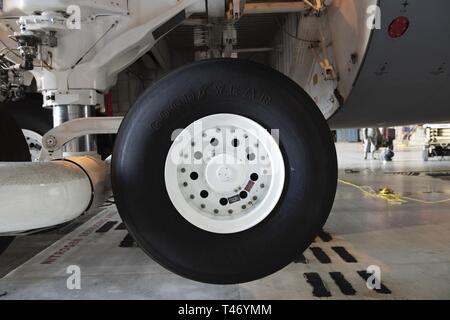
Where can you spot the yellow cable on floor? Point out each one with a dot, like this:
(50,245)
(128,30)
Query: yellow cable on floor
(388,194)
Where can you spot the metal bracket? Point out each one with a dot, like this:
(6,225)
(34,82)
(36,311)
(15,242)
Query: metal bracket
(55,139)
(317,6)
(325,61)
(234,9)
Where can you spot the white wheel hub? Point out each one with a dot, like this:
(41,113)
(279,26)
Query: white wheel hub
(224,173)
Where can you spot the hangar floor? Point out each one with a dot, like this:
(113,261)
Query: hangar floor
(407,237)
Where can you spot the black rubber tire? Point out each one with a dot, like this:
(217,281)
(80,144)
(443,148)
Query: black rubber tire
(192,92)
(29,113)
(13,148)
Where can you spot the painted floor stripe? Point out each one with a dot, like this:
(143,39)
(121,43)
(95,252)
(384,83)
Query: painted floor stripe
(344,254)
(127,242)
(320,255)
(345,286)
(121,226)
(325,236)
(319,289)
(106,227)
(301,259)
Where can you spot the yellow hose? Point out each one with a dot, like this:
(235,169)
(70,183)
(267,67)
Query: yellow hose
(388,195)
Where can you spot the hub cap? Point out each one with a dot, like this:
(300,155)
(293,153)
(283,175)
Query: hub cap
(224,173)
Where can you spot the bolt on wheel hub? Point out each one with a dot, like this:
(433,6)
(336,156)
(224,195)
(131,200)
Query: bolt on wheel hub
(224,173)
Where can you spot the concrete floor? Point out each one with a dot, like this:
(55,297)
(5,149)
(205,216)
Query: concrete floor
(409,242)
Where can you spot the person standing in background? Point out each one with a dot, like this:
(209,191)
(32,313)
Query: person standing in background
(387,142)
(370,136)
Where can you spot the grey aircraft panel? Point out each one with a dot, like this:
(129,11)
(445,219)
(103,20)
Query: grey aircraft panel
(404,80)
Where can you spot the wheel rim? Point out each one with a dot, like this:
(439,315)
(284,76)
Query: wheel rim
(34,142)
(224,173)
